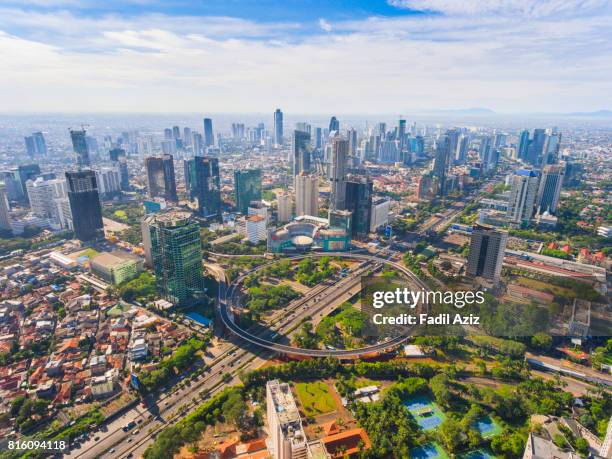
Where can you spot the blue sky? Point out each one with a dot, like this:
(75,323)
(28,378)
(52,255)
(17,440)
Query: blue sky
(309,56)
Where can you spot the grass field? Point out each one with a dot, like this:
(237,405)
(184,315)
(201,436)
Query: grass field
(315,398)
(544,287)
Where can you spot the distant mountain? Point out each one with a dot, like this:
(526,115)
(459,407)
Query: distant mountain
(598,113)
(462,111)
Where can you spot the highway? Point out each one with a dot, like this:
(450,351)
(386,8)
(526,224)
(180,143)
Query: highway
(111,441)
(337,291)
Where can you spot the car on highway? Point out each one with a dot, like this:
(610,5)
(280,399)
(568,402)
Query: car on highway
(136,432)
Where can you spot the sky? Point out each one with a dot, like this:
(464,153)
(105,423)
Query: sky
(309,56)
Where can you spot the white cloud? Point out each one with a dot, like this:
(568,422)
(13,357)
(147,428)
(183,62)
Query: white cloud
(530,8)
(324,25)
(65,62)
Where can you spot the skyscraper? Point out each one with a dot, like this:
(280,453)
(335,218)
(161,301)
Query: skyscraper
(359,192)
(42,195)
(338,173)
(301,152)
(487,246)
(176,254)
(278,127)
(306,195)
(247,188)
(160,177)
(119,160)
(524,187)
(351,135)
(5,219)
(401,133)
(35,144)
(205,185)
(550,188)
(85,205)
(209,138)
(334,124)
(285,206)
(79,145)
(535,152)
(462,149)
(27,172)
(318,138)
(453,146)
(441,163)
(551,148)
(523,145)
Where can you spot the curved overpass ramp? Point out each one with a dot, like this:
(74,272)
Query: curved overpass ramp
(284,349)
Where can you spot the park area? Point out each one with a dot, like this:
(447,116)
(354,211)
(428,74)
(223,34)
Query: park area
(425,412)
(315,398)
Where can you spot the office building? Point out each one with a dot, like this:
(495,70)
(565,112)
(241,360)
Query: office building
(462,149)
(551,148)
(342,219)
(79,145)
(441,163)
(301,150)
(42,195)
(550,188)
(379,215)
(334,125)
(209,138)
(35,144)
(522,147)
(85,205)
(256,228)
(285,207)
(145,228)
(176,256)
(535,152)
(27,172)
(338,173)
(486,256)
(287,437)
(119,160)
(524,187)
(306,195)
(109,181)
(606,446)
(318,138)
(205,185)
(278,127)
(351,135)
(160,177)
(5,218)
(359,191)
(247,188)
(116,267)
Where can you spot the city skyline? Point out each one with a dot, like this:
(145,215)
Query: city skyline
(396,56)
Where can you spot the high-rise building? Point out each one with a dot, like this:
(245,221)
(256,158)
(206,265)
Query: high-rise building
(441,163)
(285,207)
(606,445)
(338,173)
(523,145)
(550,188)
(27,172)
(524,188)
(401,132)
(359,191)
(287,437)
(205,185)
(85,205)
(160,177)
(187,138)
(535,152)
(462,149)
(109,181)
(351,135)
(278,127)
(79,145)
(301,150)
(119,160)
(5,218)
(145,228)
(176,255)
(551,148)
(35,144)
(306,195)
(379,215)
(318,138)
(209,138)
(247,188)
(334,125)
(42,195)
(486,256)
(489,155)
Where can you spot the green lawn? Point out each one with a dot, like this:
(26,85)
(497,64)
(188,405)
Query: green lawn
(315,398)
